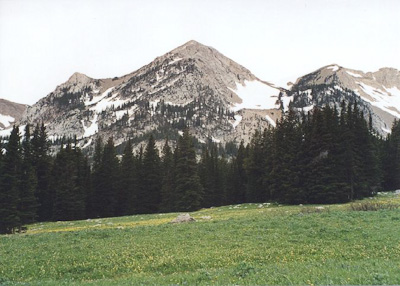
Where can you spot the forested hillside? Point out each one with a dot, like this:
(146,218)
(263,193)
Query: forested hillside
(324,156)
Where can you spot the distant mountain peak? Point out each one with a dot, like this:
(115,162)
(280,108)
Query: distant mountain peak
(377,93)
(333,67)
(78,78)
(190,43)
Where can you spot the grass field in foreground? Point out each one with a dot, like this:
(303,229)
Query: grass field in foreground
(249,244)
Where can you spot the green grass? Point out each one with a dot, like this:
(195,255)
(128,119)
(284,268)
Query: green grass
(239,245)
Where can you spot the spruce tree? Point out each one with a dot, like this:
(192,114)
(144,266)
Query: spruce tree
(168,179)
(255,171)
(152,179)
(189,192)
(238,179)
(391,158)
(126,194)
(285,176)
(67,183)
(105,184)
(42,165)
(139,185)
(28,203)
(10,183)
(91,201)
(207,172)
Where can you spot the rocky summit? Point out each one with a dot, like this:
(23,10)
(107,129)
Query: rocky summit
(196,86)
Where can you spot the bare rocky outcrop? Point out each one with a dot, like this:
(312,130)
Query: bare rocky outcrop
(183,218)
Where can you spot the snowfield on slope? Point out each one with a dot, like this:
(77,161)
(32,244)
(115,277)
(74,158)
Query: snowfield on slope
(381,99)
(256,95)
(6,120)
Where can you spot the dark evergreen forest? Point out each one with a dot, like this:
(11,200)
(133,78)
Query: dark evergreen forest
(325,156)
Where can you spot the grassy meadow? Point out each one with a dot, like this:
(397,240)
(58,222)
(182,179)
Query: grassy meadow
(249,244)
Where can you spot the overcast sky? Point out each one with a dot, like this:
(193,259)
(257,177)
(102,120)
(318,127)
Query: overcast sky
(43,42)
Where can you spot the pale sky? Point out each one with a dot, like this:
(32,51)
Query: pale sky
(43,42)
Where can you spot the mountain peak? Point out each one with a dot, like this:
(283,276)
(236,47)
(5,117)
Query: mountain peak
(190,48)
(191,43)
(78,78)
(333,67)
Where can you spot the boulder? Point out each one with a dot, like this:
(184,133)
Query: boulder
(183,218)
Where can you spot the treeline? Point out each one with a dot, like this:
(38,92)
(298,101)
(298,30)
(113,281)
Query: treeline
(325,156)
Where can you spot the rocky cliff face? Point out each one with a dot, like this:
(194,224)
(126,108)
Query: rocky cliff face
(10,112)
(192,85)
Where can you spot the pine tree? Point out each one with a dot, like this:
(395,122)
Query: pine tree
(91,201)
(238,179)
(83,182)
(42,165)
(152,179)
(126,194)
(105,184)
(391,158)
(322,183)
(255,171)
(138,175)
(28,203)
(168,179)
(369,179)
(9,184)
(207,170)
(67,183)
(189,192)
(285,176)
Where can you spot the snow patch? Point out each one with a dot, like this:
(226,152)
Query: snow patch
(307,108)
(109,102)
(238,119)
(333,68)
(153,104)
(286,100)
(394,91)
(353,74)
(87,144)
(256,95)
(120,113)
(96,99)
(382,99)
(6,120)
(270,120)
(174,61)
(338,87)
(215,140)
(92,129)
(177,104)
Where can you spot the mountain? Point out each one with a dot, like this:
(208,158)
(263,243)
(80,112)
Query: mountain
(376,93)
(192,85)
(10,112)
